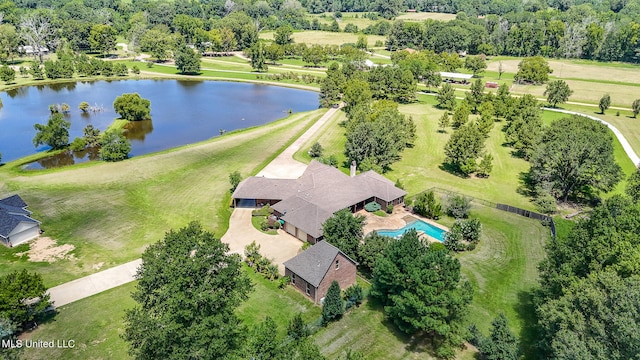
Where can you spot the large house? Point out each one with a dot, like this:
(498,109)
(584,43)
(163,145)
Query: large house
(313,270)
(16,224)
(305,203)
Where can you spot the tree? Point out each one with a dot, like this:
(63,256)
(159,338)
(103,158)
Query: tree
(23,297)
(503,101)
(297,329)
(524,126)
(262,342)
(444,121)
(446,97)
(458,206)
(557,92)
(502,343)
(274,52)
(635,107)
(158,42)
(187,60)
(475,97)
(605,102)
(132,107)
(84,106)
(461,115)
(36,31)
(234,179)
(371,250)
(102,38)
(463,148)
(188,284)
(258,62)
(36,71)
(331,86)
(533,70)
(486,165)
(575,156)
(333,306)
(476,64)
(9,41)
(282,35)
(91,136)
(362,42)
(633,185)
(356,94)
(421,291)
(316,150)
(427,205)
(344,230)
(315,54)
(114,146)
(500,70)
(55,134)
(7,74)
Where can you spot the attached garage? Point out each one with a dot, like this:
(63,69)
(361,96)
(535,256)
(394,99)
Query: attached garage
(290,228)
(301,235)
(24,232)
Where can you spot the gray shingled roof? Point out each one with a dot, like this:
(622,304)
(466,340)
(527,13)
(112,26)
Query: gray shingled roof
(14,200)
(313,263)
(321,191)
(12,213)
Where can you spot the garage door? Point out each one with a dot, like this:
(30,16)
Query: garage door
(302,235)
(290,228)
(24,236)
(246,203)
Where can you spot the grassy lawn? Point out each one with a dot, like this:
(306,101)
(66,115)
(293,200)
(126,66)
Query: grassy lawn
(255,221)
(324,37)
(422,16)
(110,211)
(95,323)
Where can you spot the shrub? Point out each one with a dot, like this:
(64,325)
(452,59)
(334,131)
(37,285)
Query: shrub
(283,282)
(545,203)
(427,206)
(389,209)
(234,180)
(263,211)
(316,150)
(353,296)
(333,306)
(453,240)
(78,144)
(470,229)
(372,206)
(459,206)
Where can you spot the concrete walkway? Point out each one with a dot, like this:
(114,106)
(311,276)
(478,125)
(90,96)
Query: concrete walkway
(94,284)
(241,233)
(284,166)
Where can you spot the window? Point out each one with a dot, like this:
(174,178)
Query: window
(293,279)
(337,264)
(308,290)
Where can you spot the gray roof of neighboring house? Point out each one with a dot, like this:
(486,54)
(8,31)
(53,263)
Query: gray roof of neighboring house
(321,191)
(11,215)
(312,264)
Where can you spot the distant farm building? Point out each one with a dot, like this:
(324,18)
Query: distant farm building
(304,204)
(491,84)
(16,224)
(455,77)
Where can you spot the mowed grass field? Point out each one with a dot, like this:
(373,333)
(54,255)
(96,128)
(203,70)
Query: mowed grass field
(325,37)
(111,211)
(96,323)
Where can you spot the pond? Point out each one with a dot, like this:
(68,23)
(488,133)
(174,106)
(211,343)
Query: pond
(182,112)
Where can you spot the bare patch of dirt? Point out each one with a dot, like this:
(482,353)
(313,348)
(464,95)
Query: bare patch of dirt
(98,266)
(44,249)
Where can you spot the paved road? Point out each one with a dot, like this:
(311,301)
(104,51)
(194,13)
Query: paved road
(93,284)
(284,166)
(279,247)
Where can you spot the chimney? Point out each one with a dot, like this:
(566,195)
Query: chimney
(352,170)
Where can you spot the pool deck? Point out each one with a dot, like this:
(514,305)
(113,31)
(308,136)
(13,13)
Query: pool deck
(397,220)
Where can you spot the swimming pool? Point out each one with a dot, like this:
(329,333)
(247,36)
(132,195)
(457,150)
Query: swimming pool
(419,225)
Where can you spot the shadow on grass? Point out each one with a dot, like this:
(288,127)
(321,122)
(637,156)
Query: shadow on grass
(418,344)
(529,332)
(453,170)
(526,186)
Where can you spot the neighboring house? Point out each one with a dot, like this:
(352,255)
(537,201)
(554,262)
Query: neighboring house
(16,224)
(313,270)
(304,204)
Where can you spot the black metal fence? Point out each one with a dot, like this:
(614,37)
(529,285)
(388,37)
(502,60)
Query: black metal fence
(504,207)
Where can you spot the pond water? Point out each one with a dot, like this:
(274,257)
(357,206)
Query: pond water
(182,112)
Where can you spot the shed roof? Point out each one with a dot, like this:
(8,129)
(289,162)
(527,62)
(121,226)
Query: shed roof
(312,264)
(14,200)
(454,75)
(12,213)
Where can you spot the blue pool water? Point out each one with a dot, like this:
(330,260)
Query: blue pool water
(419,225)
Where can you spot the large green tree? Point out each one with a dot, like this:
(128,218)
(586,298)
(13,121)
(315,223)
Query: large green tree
(524,125)
(421,291)
(502,343)
(331,86)
(344,230)
(23,297)
(575,157)
(55,134)
(132,107)
(187,60)
(102,38)
(633,185)
(371,250)
(189,288)
(333,306)
(446,97)
(605,102)
(533,70)
(557,92)
(463,148)
(158,42)
(258,57)
(282,35)
(114,146)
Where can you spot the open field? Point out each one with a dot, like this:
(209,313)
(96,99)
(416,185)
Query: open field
(110,211)
(347,18)
(421,16)
(95,323)
(587,91)
(324,37)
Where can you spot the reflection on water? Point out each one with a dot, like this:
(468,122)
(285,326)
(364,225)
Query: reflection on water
(137,130)
(65,158)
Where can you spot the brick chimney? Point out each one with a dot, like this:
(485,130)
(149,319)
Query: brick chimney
(352,170)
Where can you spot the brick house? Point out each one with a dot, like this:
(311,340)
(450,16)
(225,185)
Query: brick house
(313,270)
(304,204)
